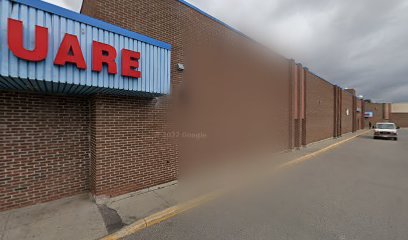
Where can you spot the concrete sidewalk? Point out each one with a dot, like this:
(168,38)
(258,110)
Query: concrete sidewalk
(80,218)
(69,218)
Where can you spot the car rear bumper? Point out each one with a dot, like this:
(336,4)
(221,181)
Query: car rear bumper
(385,135)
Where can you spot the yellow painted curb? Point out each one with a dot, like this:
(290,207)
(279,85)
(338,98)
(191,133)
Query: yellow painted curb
(314,154)
(183,207)
(161,216)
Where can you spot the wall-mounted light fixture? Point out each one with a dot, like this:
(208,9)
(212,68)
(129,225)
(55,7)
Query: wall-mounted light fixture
(180,67)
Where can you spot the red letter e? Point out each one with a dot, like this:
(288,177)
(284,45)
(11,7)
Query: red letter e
(129,63)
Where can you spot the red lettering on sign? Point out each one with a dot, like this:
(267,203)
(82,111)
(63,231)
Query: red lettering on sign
(129,63)
(15,42)
(70,52)
(103,54)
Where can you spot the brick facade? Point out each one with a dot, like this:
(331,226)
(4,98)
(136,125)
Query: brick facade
(378,113)
(360,114)
(347,112)
(55,146)
(320,105)
(130,150)
(401,119)
(185,29)
(44,148)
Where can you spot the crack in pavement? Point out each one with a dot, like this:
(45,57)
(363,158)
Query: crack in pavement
(162,198)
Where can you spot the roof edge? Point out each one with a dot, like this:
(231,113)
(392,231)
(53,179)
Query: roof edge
(48,7)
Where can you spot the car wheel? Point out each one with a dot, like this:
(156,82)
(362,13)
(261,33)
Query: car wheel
(395,139)
(374,137)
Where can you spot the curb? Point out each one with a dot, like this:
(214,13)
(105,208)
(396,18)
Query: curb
(314,154)
(183,207)
(161,216)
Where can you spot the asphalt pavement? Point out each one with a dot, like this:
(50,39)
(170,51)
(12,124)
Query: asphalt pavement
(357,191)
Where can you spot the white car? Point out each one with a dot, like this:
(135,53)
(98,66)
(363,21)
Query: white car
(386,130)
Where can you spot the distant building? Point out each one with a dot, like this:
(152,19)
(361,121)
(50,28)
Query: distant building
(399,114)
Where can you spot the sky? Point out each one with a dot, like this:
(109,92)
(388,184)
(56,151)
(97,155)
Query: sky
(74,5)
(359,44)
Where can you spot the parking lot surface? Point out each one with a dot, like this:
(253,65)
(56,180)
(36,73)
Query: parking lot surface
(359,190)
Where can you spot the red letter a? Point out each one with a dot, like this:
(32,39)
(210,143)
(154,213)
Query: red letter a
(15,42)
(70,52)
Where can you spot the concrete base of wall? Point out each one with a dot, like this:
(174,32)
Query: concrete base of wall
(100,200)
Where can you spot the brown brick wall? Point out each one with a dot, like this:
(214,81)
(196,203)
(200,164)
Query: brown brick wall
(377,109)
(56,146)
(122,163)
(130,149)
(400,119)
(359,115)
(363,110)
(347,107)
(319,110)
(44,150)
(159,19)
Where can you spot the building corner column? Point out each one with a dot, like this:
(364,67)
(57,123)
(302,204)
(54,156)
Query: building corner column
(292,102)
(303,105)
(92,147)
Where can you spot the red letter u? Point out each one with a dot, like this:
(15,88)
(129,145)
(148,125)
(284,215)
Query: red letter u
(15,42)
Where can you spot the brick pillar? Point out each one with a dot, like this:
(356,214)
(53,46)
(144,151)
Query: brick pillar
(303,105)
(92,146)
(387,111)
(292,102)
(338,110)
(296,121)
(335,110)
(354,114)
(340,133)
(299,99)
(362,113)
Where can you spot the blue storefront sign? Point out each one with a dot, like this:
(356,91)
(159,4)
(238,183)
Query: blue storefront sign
(368,114)
(46,48)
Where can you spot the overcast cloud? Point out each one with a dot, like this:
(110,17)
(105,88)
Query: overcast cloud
(74,5)
(358,44)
